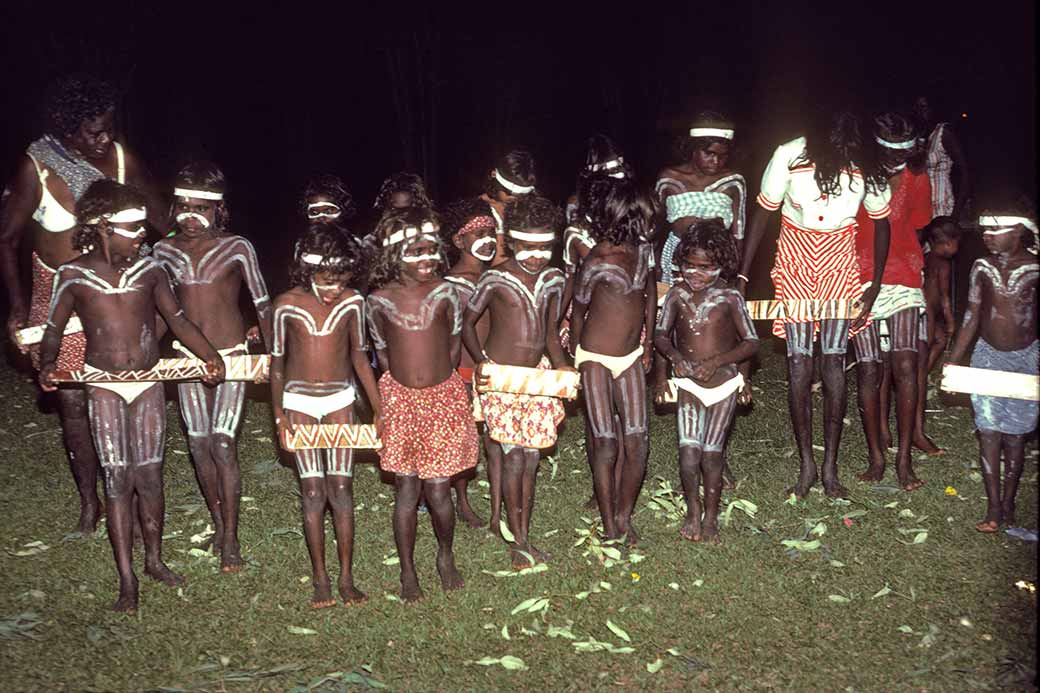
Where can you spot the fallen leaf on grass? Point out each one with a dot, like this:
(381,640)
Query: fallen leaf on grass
(31,549)
(506,534)
(507,662)
(801,545)
(882,592)
(674,586)
(532,605)
(20,626)
(561,632)
(505,633)
(297,630)
(618,631)
(391,560)
(838,598)
(654,666)
(537,568)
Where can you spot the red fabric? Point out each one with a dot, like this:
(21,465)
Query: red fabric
(72,353)
(911,210)
(427,432)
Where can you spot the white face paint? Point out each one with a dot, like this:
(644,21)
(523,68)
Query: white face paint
(528,254)
(323,210)
(334,289)
(180,218)
(483,249)
(411,259)
(698,280)
(137,233)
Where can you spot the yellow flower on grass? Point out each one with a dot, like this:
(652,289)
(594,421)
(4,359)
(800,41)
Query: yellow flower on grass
(635,577)
(951,491)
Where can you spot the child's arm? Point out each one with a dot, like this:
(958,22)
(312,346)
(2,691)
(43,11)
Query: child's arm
(363,369)
(970,326)
(375,329)
(478,303)
(881,234)
(61,310)
(277,375)
(579,305)
(745,348)
(185,330)
(258,290)
(755,230)
(552,335)
(649,317)
(663,338)
(943,278)
(455,340)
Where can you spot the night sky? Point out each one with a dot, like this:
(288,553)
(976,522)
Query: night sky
(276,93)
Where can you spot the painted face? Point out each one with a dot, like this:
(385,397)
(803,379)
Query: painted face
(194,216)
(712,158)
(94,136)
(1003,242)
(699,269)
(329,287)
(401,199)
(945,247)
(480,243)
(531,256)
(125,238)
(321,209)
(420,260)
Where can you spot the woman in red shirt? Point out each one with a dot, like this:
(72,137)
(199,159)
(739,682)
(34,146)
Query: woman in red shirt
(900,303)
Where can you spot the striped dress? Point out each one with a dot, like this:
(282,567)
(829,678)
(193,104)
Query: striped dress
(939,167)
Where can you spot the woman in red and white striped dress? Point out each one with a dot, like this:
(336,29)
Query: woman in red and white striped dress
(819,180)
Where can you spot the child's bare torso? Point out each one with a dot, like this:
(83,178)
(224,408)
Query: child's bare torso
(612,281)
(705,325)
(1005,291)
(117,309)
(416,326)
(207,276)
(521,306)
(936,268)
(466,284)
(317,338)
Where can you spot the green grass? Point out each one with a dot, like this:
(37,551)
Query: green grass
(870,609)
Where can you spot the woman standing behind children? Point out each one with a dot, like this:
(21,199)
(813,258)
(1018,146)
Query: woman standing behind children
(319,350)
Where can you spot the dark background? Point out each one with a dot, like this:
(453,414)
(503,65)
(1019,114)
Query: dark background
(277,92)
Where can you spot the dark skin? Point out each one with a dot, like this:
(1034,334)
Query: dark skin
(923,111)
(706,348)
(513,339)
(121,336)
(92,141)
(704,168)
(611,323)
(331,358)
(873,384)
(420,358)
(470,267)
(213,306)
(498,201)
(800,371)
(1008,322)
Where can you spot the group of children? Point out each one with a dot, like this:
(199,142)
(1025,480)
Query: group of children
(410,316)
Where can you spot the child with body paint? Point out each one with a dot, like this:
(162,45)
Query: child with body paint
(705,331)
(326,199)
(470,233)
(1002,312)
(115,292)
(513,177)
(415,318)
(612,326)
(319,352)
(522,297)
(207,266)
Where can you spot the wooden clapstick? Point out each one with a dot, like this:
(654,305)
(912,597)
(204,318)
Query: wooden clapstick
(245,368)
(662,291)
(982,381)
(34,335)
(529,381)
(325,436)
(807,308)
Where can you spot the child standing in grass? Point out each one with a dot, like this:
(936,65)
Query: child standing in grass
(320,324)
(1002,312)
(705,331)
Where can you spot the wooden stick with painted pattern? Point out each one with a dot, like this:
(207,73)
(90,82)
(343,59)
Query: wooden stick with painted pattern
(244,368)
(982,381)
(31,336)
(807,308)
(326,436)
(529,381)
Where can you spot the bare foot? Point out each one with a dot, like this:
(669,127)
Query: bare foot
(710,534)
(410,591)
(987,526)
(160,572)
(591,503)
(1007,516)
(466,514)
(805,482)
(539,555)
(89,514)
(520,557)
(450,578)
(215,543)
(495,528)
(925,445)
(322,598)
(691,529)
(835,490)
(631,535)
(873,474)
(127,602)
(349,592)
(231,558)
(886,439)
(910,482)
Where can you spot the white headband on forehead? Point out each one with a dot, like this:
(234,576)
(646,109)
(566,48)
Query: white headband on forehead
(532,237)
(511,186)
(607,165)
(1007,223)
(315,259)
(137,233)
(123,216)
(311,214)
(197,194)
(411,259)
(905,144)
(426,231)
(724,133)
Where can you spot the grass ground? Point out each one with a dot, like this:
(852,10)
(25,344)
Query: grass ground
(899,593)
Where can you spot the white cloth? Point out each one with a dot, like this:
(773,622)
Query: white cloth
(710,395)
(615,364)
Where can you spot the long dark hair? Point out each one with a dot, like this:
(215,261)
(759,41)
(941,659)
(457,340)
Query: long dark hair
(834,145)
(625,216)
(716,240)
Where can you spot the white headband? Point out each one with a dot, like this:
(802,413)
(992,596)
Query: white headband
(419,258)
(123,216)
(1008,222)
(197,194)
(511,186)
(724,133)
(426,231)
(128,234)
(905,144)
(315,259)
(318,215)
(608,165)
(532,237)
